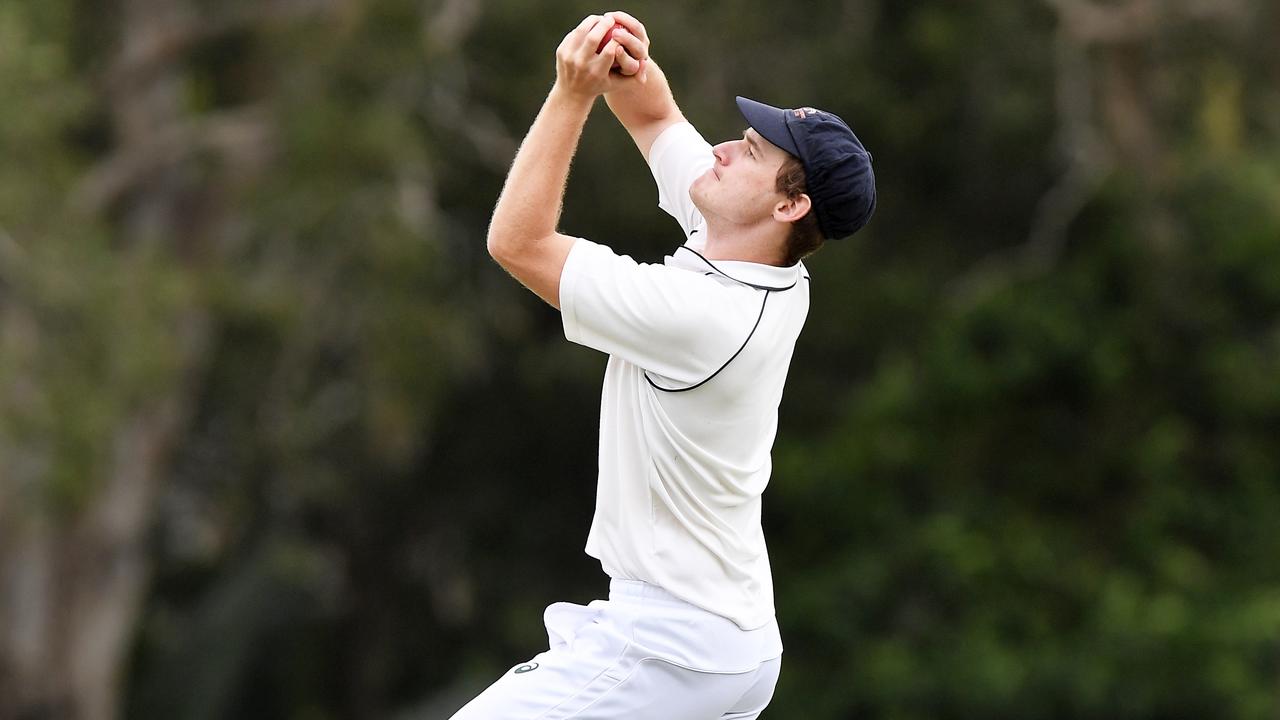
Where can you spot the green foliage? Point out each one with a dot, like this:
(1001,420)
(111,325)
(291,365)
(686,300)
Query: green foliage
(1002,489)
(88,332)
(1057,504)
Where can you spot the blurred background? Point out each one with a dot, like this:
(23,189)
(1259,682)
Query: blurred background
(279,440)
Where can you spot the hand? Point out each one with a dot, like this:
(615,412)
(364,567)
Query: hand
(581,71)
(634,39)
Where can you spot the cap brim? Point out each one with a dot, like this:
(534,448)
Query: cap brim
(770,122)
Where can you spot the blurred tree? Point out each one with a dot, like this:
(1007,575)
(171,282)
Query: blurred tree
(214,216)
(1042,503)
(276,439)
(102,344)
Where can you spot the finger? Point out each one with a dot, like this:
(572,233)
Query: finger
(633,26)
(586,24)
(634,46)
(596,33)
(573,39)
(604,61)
(627,65)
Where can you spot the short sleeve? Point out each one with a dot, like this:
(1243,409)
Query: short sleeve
(672,322)
(678,157)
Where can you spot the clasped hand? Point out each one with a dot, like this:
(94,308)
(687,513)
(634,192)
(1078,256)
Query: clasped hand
(582,71)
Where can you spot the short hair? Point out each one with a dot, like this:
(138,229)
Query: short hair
(804,237)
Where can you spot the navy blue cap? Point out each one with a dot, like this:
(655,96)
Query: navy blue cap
(837,169)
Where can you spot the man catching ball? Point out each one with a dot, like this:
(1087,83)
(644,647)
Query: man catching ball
(699,349)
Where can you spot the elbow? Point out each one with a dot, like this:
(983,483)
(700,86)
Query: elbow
(494,244)
(500,243)
(509,242)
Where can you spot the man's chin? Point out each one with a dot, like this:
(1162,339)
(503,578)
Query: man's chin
(695,195)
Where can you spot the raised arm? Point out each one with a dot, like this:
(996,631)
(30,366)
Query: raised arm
(645,108)
(522,234)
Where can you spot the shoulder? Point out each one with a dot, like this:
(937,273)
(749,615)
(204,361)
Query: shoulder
(686,294)
(677,139)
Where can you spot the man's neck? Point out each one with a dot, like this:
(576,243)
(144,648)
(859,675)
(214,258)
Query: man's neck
(757,244)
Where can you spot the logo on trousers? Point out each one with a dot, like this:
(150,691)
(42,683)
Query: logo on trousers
(526,668)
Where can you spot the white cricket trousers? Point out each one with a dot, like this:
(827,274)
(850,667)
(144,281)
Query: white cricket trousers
(641,655)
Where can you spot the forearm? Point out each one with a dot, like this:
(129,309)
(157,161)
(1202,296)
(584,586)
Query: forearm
(528,209)
(522,233)
(644,109)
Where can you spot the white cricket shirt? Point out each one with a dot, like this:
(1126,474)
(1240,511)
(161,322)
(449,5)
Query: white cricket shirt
(698,355)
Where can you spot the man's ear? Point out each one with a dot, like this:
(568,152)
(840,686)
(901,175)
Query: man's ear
(789,210)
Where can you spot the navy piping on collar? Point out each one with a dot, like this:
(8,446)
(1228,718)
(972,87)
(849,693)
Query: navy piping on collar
(726,362)
(744,282)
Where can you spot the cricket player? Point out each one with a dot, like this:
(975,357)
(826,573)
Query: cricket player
(698,348)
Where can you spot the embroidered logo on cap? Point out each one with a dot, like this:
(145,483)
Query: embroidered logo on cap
(805,112)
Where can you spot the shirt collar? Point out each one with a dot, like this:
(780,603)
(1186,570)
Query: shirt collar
(756,275)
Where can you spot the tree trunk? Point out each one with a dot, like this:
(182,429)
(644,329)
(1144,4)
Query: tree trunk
(72,582)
